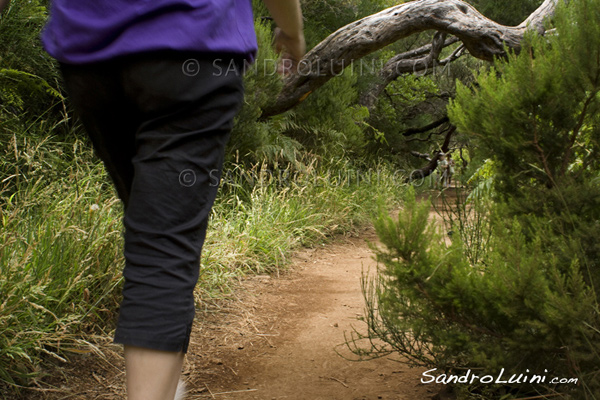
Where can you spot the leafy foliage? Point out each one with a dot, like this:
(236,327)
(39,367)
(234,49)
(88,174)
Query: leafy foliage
(60,258)
(324,17)
(253,140)
(330,121)
(529,301)
(541,105)
(542,130)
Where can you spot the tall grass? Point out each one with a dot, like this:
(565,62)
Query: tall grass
(61,244)
(263,214)
(60,253)
(60,222)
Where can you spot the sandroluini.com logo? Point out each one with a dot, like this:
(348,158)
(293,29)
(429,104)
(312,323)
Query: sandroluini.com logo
(501,377)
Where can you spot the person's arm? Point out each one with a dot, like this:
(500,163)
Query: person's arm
(290,35)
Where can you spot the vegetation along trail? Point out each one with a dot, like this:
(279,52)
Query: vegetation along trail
(285,340)
(278,338)
(510,91)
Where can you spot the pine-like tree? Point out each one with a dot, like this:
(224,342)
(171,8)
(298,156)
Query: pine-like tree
(529,303)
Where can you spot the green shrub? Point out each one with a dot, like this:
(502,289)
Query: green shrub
(254,140)
(529,302)
(520,308)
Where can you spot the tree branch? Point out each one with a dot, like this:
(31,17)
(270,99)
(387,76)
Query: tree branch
(426,156)
(427,139)
(433,162)
(406,63)
(426,128)
(420,51)
(485,39)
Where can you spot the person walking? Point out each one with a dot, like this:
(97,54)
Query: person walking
(142,76)
(451,169)
(443,167)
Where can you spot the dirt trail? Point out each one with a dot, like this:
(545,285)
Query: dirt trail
(279,338)
(291,332)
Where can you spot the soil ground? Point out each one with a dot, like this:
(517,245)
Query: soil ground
(280,337)
(291,343)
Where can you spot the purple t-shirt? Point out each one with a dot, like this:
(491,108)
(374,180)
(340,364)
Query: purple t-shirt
(86,31)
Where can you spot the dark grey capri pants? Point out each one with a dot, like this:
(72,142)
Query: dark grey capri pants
(160,123)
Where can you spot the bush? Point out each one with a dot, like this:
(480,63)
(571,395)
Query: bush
(529,302)
(521,308)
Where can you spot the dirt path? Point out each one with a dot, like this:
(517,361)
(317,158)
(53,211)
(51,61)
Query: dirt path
(285,337)
(279,338)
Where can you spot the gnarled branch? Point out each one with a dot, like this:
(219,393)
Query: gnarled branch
(405,63)
(426,128)
(483,38)
(428,169)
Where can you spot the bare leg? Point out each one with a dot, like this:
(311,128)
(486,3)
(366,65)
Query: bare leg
(152,374)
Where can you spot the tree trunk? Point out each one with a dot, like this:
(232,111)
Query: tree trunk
(428,169)
(483,38)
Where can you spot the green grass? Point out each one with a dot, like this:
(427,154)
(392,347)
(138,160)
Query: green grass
(61,244)
(59,261)
(254,228)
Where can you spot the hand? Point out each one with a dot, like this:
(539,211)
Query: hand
(292,50)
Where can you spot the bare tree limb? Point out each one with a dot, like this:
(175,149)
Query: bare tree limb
(459,51)
(426,128)
(426,156)
(428,169)
(427,139)
(420,51)
(483,38)
(406,63)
